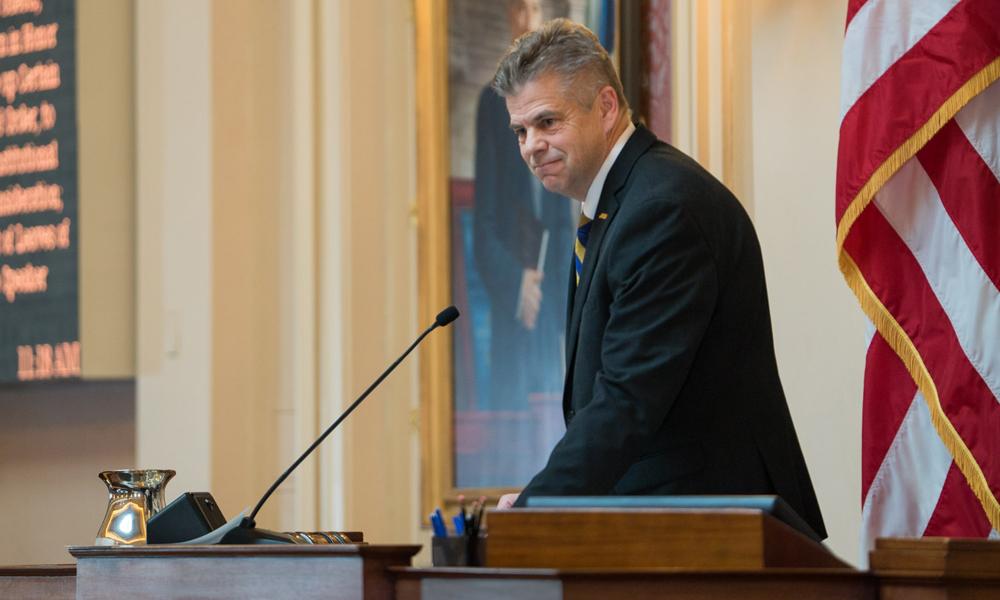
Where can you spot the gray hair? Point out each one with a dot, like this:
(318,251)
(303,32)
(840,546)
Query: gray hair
(566,49)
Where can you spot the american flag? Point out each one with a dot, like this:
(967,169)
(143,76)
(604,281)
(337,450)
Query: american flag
(918,242)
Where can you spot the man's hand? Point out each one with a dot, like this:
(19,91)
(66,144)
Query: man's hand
(531,298)
(507,501)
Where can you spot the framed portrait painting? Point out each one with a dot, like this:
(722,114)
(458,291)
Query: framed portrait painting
(496,244)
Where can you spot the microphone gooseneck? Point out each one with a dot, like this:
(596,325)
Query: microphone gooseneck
(445,317)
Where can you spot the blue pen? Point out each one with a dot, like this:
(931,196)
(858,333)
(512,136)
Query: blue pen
(440,520)
(437,523)
(459,524)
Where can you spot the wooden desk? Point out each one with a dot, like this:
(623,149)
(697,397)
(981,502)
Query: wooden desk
(924,569)
(626,584)
(38,582)
(348,572)
(649,538)
(591,553)
(936,568)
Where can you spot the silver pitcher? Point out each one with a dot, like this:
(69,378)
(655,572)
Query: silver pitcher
(133,497)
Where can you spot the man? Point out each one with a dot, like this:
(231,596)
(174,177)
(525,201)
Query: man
(513,217)
(671,384)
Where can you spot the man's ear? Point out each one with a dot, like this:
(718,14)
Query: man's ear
(608,102)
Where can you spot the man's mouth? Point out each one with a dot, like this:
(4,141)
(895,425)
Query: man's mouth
(543,166)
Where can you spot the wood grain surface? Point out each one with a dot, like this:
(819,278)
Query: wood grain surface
(38,582)
(648,538)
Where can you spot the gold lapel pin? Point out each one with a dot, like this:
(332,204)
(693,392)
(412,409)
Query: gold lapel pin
(602,216)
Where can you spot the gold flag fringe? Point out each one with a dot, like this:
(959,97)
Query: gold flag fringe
(979,82)
(884,322)
(903,346)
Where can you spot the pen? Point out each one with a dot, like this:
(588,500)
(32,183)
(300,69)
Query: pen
(479,513)
(440,520)
(437,523)
(465,515)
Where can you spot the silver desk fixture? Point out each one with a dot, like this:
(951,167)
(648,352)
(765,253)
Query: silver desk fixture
(133,497)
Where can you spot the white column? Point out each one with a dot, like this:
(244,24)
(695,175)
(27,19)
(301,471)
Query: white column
(334,210)
(369,474)
(174,241)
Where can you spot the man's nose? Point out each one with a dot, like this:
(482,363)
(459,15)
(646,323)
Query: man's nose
(533,144)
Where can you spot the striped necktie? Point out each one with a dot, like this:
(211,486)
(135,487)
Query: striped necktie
(580,250)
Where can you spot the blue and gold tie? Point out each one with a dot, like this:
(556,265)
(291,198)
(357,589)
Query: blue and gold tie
(580,250)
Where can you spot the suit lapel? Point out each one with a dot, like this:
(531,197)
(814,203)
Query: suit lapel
(608,205)
(570,295)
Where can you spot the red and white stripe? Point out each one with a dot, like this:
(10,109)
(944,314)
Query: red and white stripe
(922,252)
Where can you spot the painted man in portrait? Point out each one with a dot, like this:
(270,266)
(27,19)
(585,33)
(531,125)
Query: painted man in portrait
(521,234)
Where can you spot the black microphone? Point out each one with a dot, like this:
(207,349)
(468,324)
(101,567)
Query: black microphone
(445,317)
(247,532)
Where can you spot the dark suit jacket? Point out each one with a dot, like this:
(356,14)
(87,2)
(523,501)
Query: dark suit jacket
(672,385)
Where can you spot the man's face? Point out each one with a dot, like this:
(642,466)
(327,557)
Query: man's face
(524,16)
(562,142)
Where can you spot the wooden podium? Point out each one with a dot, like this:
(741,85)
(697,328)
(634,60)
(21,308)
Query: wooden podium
(337,572)
(591,553)
(543,554)
(589,538)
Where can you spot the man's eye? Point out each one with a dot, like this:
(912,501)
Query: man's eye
(519,133)
(547,123)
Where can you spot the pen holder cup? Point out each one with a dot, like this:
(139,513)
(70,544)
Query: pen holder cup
(458,551)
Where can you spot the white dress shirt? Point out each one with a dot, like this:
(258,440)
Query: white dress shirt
(594,193)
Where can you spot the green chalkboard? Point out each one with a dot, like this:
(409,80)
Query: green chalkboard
(39,202)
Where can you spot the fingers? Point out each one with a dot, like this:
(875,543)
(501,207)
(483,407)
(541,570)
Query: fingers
(531,298)
(507,501)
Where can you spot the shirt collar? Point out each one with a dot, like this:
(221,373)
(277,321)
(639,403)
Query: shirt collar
(594,193)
